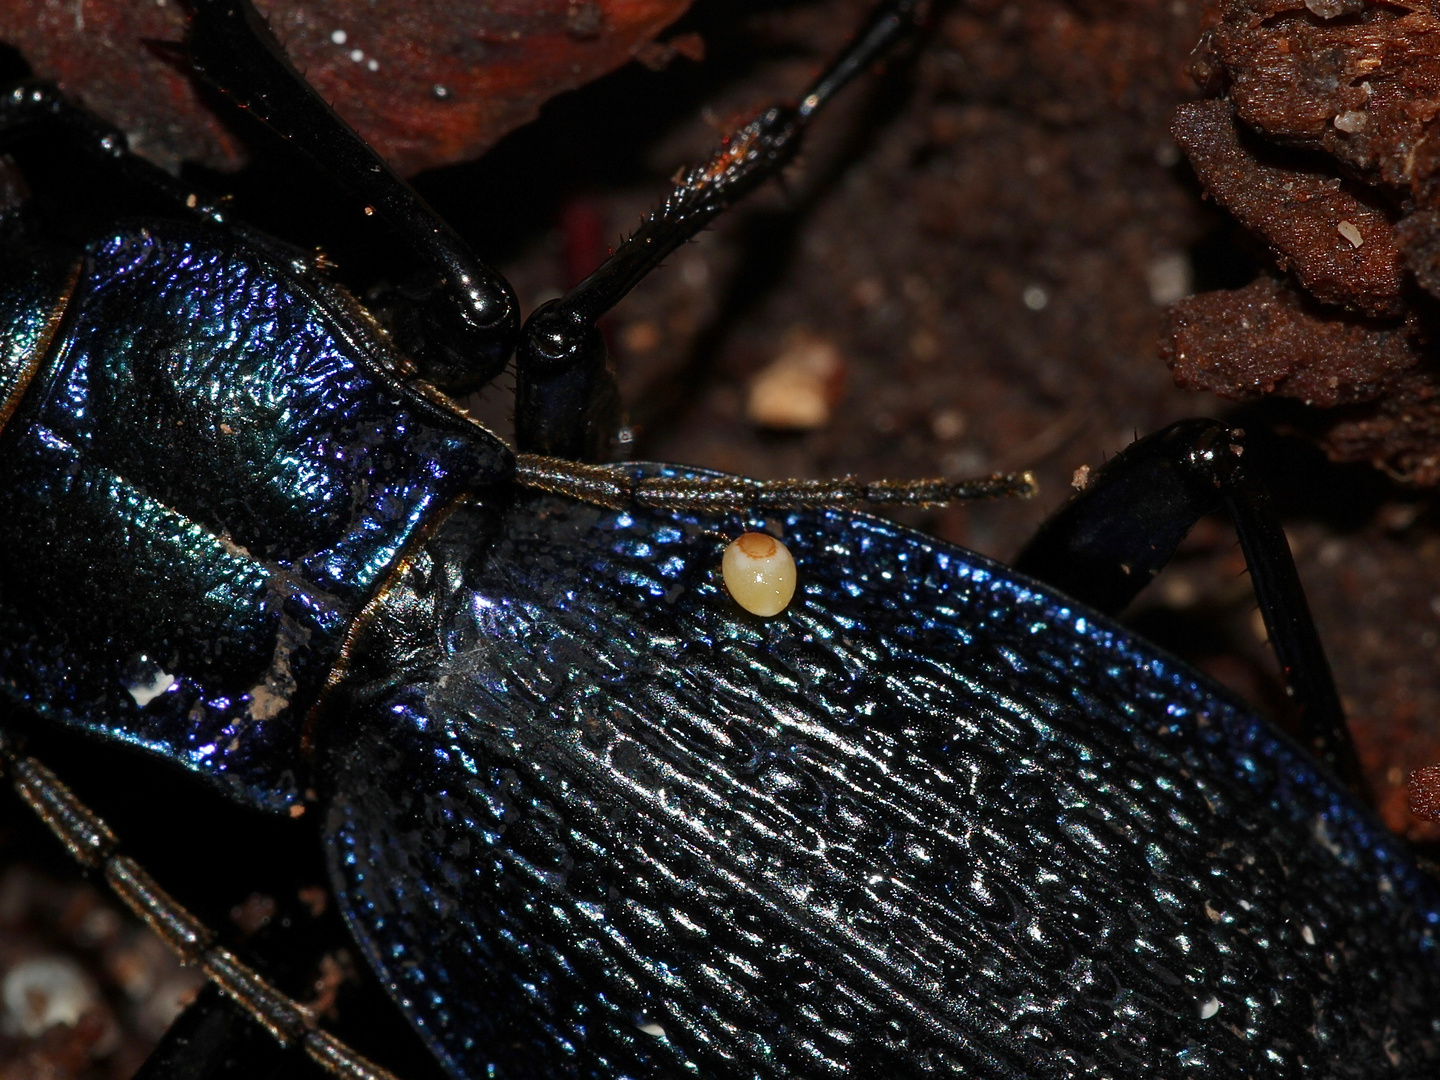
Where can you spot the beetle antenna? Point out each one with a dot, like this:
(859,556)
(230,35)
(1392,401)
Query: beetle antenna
(618,488)
(94,846)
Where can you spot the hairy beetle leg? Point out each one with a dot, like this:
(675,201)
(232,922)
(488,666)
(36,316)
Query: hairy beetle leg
(95,847)
(458,318)
(1110,540)
(38,109)
(565,399)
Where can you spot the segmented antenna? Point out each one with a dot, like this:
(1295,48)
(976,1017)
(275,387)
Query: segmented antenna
(95,847)
(618,488)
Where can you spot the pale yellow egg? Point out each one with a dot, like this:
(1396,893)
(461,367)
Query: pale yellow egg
(759,571)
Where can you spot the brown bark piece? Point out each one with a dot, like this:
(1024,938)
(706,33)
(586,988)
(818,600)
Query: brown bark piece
(1261,340)
(425,82)
(1398,432)
(1361,83)
(1364,87)
(1425,793)
(1342,249)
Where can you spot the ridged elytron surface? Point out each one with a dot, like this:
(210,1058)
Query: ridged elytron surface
(590,820)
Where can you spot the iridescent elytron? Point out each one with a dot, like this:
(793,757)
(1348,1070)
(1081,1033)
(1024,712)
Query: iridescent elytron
(586,816)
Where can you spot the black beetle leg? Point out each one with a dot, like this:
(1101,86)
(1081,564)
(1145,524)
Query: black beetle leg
(565,400)
(39,109)
(1111,539)
(460,318)
(92,844)
(214,1039)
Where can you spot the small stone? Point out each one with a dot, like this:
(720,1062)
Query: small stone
(924,345)
(640,337)
(1350,122)
(797,391)
(45,992)
(948,425)
(1333,9)
(1169,277)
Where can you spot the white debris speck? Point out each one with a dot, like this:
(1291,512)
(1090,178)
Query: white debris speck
(148,690)
(339,37)
(44,992)
(1320,832)
(799,387)
(372,64)
(1348,230)
(1169,278)
(948,424)
(695,271)
(653,1029)
(357,55)
(1209,1007)
(1333,9)
(1307,934)
(1035,298)
(1350,121)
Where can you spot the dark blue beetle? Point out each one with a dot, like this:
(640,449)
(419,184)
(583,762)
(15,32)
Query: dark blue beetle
(586,817)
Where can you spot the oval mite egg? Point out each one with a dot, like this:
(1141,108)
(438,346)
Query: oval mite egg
(759,571)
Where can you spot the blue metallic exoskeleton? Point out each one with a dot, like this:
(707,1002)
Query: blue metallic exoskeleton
(584,815)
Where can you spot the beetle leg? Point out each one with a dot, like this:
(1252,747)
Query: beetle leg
(565,399)
(458,319)
(214,1039)
(39,109)
(96,848)
(1111,539)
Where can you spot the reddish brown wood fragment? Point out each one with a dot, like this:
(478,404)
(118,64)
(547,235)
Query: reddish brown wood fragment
(1364,88)
(1398,432)
(1424,793)
(1311,221)
(1359,85)
(1263,340)
(425,82)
